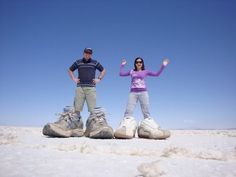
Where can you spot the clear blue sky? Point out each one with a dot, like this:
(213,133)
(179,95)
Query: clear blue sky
(40,39)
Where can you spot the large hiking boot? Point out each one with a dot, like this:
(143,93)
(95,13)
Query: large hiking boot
(127,128)
(149,129)
(69,125)
(97,127)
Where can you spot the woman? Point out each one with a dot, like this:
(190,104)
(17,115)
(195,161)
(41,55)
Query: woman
(148,128)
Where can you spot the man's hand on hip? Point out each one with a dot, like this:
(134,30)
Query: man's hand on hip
(95,81)
(76,80)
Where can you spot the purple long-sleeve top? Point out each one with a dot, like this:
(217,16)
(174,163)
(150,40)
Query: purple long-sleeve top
(138,77)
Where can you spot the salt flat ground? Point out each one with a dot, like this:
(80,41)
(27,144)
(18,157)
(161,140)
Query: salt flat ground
(25,152)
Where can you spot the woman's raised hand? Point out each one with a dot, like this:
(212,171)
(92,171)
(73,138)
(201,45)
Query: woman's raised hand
(123,62)
(166,61)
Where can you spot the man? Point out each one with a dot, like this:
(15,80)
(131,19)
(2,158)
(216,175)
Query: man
(86,81)
(70,122)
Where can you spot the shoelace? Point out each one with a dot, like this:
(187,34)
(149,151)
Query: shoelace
(67,116)
(124,122)
(98,115)
(100,120)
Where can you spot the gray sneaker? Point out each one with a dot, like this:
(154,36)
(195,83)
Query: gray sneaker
(69,125)
(97,127)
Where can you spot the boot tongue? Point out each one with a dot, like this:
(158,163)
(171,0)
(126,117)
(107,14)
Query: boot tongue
(152,123)
(98,113)
(98,110)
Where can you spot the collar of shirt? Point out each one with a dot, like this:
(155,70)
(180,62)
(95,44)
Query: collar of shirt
(87,61)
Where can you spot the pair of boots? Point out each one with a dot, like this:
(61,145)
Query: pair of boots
(148,128)
(70,124)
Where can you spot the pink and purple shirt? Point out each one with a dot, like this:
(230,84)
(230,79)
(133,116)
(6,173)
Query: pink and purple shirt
(138,77)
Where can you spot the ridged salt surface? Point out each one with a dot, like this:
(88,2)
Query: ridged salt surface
(26,152)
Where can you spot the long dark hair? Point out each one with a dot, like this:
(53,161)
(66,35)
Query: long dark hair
(135,67)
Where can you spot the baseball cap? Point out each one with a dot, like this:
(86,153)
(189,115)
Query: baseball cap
(88,50)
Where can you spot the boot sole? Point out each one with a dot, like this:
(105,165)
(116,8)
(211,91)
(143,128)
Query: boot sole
(54,131)
(103,133)
(47,131)
(144,134)
(122,135)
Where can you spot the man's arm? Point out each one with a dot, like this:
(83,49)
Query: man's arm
(102,74)
(100,77)
(72,76)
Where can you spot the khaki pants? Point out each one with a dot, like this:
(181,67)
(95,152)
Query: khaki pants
(83,94)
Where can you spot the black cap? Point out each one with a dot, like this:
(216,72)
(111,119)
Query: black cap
(88,50)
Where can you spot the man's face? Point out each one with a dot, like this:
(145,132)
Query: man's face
(87,56)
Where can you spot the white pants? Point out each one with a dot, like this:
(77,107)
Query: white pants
(134,97)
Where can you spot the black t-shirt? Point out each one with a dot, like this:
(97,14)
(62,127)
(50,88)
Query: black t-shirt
(86,71)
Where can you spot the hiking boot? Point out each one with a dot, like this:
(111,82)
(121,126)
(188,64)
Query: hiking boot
(127,128)
(148,128)
(96,125)
(69,125)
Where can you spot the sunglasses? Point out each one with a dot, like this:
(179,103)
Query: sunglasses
(138,62)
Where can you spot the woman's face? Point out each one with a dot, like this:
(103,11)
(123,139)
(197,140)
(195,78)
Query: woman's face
(139,64)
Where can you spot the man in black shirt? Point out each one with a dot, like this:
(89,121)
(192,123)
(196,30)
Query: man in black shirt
(70,123)
(86,81)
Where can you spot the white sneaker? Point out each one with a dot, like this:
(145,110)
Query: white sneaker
(148,128)
(127,128)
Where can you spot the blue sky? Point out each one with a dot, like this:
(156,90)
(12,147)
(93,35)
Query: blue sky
(40,39)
